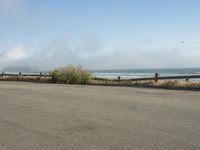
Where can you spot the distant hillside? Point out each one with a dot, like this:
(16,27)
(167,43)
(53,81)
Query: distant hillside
(25,69)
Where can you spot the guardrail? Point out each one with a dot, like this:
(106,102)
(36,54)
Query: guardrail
(157,77)
(168,78)
(24,74)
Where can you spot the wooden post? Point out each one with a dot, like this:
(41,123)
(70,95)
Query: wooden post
(187,79)
(118,78)
(2,74)
(40,74)
(20,74)
(156,77)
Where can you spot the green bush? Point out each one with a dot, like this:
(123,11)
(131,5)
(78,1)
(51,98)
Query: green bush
(70,75)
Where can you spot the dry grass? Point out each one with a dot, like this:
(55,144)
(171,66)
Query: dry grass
(161,84)
(164,83)
(27,78)
(177,84)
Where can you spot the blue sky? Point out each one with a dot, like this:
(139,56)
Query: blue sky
(100,34)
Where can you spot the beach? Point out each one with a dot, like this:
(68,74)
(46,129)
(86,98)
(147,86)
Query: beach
(52,116)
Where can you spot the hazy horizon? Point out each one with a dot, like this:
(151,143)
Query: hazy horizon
(100,34)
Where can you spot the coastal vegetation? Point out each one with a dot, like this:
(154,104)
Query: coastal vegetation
(169,84)
(71,75)
(77,75)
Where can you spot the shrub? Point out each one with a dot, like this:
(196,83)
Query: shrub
(70,75)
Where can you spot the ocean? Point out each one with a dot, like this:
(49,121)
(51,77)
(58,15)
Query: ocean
(142,73)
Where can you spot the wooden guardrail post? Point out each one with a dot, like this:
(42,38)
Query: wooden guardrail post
(40,74)
(187,79)
(118,78)
(156,77)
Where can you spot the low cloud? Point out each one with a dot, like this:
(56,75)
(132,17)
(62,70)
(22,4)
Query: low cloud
(92,54)
(13,54)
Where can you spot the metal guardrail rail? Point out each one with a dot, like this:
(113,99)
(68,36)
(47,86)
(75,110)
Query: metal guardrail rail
(23,74)
(168,78)
(156,78)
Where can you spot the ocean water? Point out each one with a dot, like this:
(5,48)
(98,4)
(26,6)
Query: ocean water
(143,73)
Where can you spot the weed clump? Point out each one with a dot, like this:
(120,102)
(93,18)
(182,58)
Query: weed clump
(71,75)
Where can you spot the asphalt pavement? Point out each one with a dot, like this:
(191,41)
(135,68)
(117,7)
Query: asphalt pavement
(35,116)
